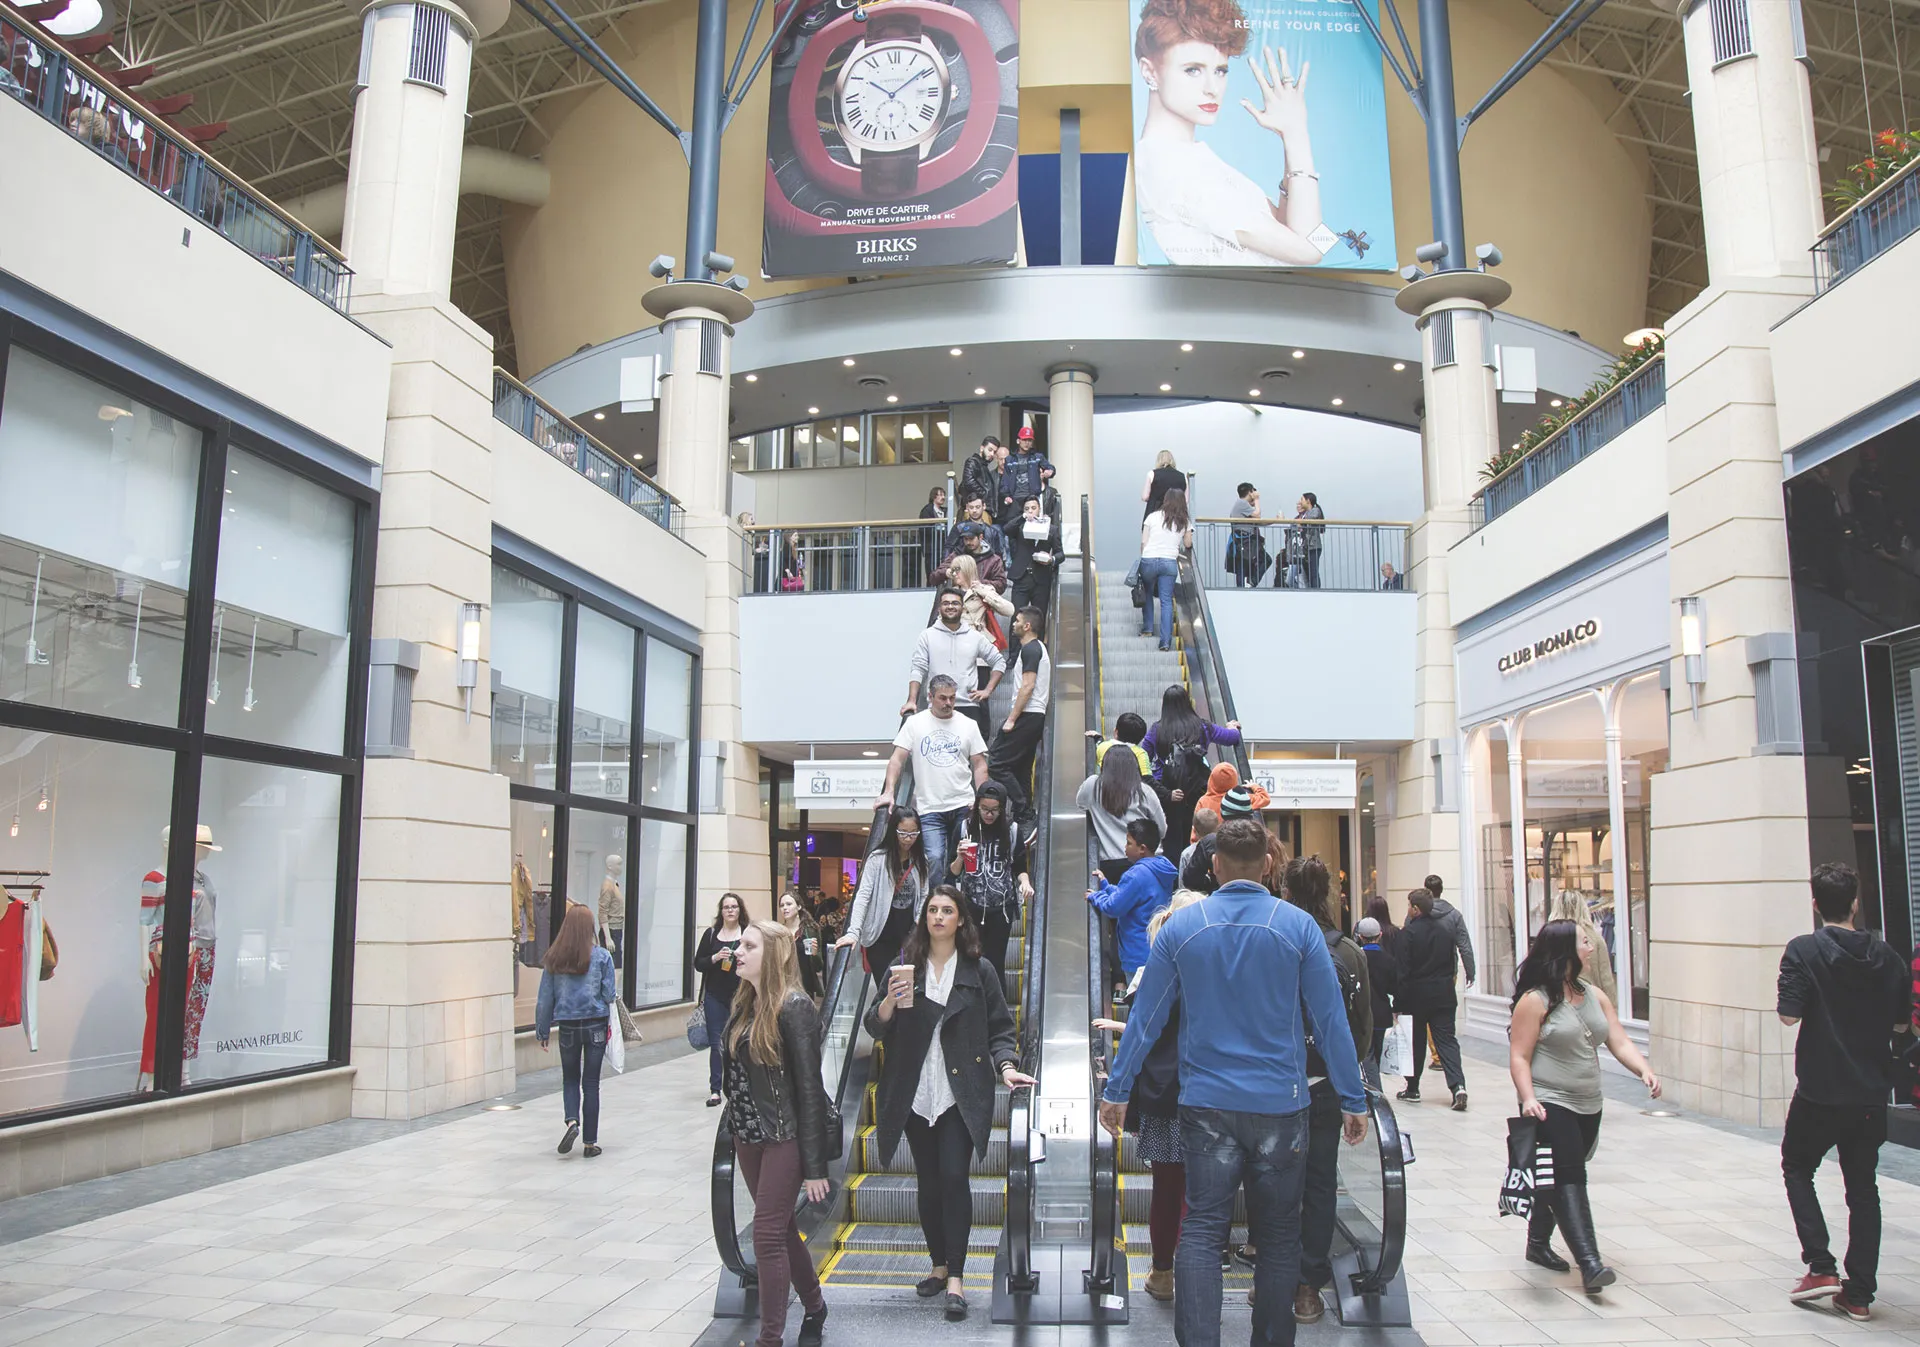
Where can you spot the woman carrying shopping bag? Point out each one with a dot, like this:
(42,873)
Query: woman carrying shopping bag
(577,991)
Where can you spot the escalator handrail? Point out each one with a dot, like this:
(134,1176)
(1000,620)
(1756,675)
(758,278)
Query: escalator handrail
(1104,1183)
(1385,1257)
(1213,668)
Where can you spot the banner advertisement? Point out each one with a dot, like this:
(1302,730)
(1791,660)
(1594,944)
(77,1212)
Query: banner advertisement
(1260,135)
(892,138)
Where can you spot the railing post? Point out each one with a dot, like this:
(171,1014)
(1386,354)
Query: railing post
(863,557)
(303,261)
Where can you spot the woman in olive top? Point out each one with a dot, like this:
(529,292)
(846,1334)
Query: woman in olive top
(949,1038)
(713,960)
(1559,1022)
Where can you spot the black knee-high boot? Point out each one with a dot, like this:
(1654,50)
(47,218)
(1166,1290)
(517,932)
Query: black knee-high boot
(1576,1226)
(1540,1236)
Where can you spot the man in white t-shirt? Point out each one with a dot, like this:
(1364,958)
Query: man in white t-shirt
(949,760)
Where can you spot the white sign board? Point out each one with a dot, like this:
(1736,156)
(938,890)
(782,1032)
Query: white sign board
(1301,783)
(1069,1119)
(838,784)
(1568,784)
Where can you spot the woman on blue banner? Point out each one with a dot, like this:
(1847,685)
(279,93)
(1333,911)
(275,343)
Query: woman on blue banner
(1203,211)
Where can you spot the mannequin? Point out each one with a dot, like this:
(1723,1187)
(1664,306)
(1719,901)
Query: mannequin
(153,899)
(613,908)
(522,914)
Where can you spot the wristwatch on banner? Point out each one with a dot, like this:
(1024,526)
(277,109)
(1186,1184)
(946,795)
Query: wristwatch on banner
(890,100)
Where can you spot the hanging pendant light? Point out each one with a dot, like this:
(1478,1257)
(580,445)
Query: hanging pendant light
(133,664)
(44,802)
(14,831)
(248,702)
(35,655)
(219,631)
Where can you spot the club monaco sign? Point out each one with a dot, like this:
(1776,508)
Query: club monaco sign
(1548,646)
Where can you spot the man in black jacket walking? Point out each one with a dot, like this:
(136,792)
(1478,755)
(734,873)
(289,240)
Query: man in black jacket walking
(1427,957)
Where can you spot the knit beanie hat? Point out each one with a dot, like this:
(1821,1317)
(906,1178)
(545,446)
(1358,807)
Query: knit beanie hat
(1237,803)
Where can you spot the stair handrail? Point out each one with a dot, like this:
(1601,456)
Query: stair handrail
(1104,1183)
(1210,665)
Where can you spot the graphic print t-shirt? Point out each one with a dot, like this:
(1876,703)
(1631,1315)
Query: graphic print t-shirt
(942,759)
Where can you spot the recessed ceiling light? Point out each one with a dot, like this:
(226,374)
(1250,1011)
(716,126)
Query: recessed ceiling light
(869,753)
(1339,402)
(954,351)
(1253,392)
(979,392)
(1299,355)
(753,378)
(1554,403)
(893,397)
(599,416)
(636,458)
(848,362)
(1399,365)
(813,411)
(1166,388)
(1186,346)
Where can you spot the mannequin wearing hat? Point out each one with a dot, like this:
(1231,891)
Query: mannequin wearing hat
(613,907)
(153,900)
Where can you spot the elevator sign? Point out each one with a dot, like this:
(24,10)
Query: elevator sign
(1307,783)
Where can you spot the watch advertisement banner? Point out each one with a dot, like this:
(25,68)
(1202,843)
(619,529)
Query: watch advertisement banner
(893,137)
(1260,135)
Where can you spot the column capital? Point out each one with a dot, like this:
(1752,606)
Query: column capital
(1071,372)
(1483,288)
(697,299)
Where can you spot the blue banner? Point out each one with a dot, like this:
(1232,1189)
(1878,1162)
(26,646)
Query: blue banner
(1260,135)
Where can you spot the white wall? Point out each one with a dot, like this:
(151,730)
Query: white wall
(826,668)
(1620,488)
(113,249)
(1359,469)
(1851,347)
(845,495)
(1318,667)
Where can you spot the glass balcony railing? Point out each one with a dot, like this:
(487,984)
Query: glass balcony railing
(41,75)
(1621,406)
(843,558)
(1300,554)
(1870,227)
(516,405)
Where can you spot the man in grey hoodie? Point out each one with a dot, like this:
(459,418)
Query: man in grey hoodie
(1449,916)
(953,648)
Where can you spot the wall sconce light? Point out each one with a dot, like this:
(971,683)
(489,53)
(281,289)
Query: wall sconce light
(468,646)
(1693,648)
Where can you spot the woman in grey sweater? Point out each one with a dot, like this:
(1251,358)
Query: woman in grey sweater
(1113,797)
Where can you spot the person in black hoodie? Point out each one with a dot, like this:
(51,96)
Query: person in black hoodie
(1427,994)
(1849,993)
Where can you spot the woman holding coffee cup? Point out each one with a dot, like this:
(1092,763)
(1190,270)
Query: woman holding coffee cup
(949,1037)
(991,869)
(893,887)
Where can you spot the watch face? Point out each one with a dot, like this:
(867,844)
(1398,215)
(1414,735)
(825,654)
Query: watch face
(891,95)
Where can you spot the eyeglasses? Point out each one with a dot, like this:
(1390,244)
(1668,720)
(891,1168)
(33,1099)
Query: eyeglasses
(906,836)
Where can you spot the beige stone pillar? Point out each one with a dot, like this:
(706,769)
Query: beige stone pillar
(1070,442)
(1729,862)
(695,395)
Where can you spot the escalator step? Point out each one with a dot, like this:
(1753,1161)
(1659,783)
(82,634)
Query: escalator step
(1002,1102)
(901,1271)
(893,1198)
(901,1161)
(878,1237)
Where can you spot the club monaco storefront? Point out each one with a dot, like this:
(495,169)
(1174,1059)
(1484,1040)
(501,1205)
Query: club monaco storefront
(1563,723)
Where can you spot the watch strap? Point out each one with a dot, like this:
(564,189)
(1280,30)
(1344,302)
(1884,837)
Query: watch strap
(890,172)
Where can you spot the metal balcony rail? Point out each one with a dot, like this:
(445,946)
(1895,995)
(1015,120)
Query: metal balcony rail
(43,76)
(883,554)
(1299,554)
(1869,227)
(1621,406)
(516,405)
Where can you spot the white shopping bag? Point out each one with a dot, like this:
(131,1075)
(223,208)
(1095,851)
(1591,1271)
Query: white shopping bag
(616,1041)
(1397,1049)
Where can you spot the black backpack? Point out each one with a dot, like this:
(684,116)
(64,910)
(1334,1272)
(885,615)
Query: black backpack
(1350,996)
(1186,768)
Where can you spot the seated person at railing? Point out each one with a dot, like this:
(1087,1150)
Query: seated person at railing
(96,128)
(1390,578)
(563,449)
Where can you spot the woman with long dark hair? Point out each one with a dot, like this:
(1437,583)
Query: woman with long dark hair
(1164,534)
(1177,743)
(990,868)
(893,887)
(777,1112)
(1113,797)
(577,988)
(1380,911)
(714,960)
(1559,1022)
(949,1037)
(807,948)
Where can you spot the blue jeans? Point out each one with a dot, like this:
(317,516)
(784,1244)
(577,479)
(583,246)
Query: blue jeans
(1156,577)
(1269,1152)
(939,834)
(583,1049)
(717,1011)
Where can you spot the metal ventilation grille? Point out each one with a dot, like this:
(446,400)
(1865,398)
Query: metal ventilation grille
(365,75)
(710,345)
(1442,325)
(1732,37)
(427,64)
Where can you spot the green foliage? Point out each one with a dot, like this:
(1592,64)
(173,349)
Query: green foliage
(1551,425)
(1892,151)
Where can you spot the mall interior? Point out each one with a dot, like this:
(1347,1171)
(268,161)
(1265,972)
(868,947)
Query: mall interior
(468,351)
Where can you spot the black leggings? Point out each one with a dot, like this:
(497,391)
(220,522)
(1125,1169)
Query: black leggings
(942,1159)
(1572,1136)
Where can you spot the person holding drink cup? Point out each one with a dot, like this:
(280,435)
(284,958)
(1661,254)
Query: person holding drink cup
(948,1036)
(991,869)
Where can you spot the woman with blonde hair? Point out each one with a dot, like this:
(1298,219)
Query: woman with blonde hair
(1571,905)
(1161,478)
(777,1111)
(977,596)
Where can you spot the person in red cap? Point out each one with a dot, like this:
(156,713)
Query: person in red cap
(1020,478)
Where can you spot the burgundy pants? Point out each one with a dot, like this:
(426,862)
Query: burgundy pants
(773,1176)
(1168,1209)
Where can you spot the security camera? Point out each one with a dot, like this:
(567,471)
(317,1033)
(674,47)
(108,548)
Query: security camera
(1489,255)
(1430,252)
(719,262)
(738,283)
(1411,273)
(661,268)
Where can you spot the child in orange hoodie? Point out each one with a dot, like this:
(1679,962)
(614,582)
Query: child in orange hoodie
(1222,779)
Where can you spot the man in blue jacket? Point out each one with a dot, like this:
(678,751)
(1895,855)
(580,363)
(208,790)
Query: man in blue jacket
(1242,965)
(1143,890)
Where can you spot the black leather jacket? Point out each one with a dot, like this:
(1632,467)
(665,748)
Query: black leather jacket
(789,1096)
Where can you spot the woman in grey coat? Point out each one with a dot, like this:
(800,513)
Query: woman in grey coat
(893,888)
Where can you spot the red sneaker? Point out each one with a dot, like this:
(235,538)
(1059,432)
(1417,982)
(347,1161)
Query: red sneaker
(1850,1309)
(1814,1286)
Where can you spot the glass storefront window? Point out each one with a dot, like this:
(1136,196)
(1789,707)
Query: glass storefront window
(602,706)
(669,701)
(82,819)
(1563,748)
(1493,812)
(1643,754)
(284,595)
(97,495)
(597,875)
(527,619)
(260,969)
(882,439)
(663,952)
(889,440)
(531,897)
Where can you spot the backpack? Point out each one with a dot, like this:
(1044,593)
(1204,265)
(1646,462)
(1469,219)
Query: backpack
(1185,768)
(1350,997)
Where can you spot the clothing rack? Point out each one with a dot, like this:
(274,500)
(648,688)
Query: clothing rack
(10,879)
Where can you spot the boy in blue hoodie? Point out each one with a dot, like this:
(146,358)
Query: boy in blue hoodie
(1143,890)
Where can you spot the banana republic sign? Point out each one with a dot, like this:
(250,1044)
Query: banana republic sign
(1548,646)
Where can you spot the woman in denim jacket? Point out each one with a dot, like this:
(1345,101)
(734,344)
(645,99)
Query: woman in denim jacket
(576,989)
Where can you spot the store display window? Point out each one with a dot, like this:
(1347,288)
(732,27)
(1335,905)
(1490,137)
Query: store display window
(1492,805)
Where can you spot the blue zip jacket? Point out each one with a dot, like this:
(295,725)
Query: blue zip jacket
(576,996)
(1242,965)
(1146,887)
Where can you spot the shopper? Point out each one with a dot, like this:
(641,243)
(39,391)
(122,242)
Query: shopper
(956,650)
(1129,728)
(1572,905)
(1244,967)
(1223,778)
(991,868)
(577,989)
(1206,822)
(1390,579)
(1306,540)
(1034,548)
(1020,475)
(1383,980)
(1165,534)
(1113,797)
(1427,963)
(977,517)
(1246,551)
(989,612)
(807,945)
(1153,1116)
(1850,996)
(931,534)
(949,1035)
(1196,870)
(777,1111)
(949,757)
(976,568)
(1143,890)
(1010,760)
(1163,477)
(1382,913)
(893,887)
(980,475)
(1178,744)
(1558,1023)
(1456,923)
(714,960)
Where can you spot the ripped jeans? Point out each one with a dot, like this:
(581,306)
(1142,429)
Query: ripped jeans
(1269,1152)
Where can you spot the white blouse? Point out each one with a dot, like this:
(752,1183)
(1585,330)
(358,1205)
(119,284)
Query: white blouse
(1159,541)
(1197,204)
(934,1095)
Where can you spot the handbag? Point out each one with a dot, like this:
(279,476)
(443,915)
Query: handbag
(616,1038)
(1529,1167)
(697,1037)
(1397,1048)
(629,1031)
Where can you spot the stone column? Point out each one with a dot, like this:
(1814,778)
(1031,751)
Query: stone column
(1729,863)
(1070,442)
(695,394)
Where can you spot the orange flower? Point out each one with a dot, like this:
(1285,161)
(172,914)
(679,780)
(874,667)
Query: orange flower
(1888,138)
